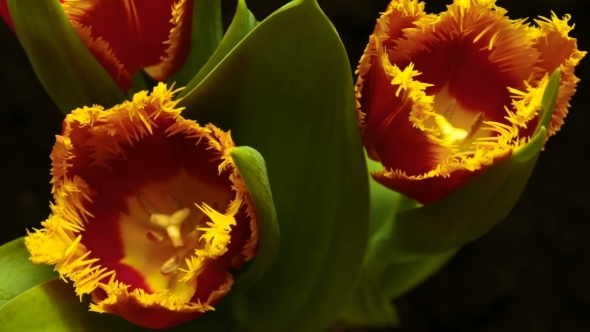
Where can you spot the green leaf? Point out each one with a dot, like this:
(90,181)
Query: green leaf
(462,216)
(18,273)
(549,99)
(243,22)
(252,168)
(54,307)
(286,90)
(383,200)
(206,34)
(381,281)
(67,70)
(397,279)
(369,306)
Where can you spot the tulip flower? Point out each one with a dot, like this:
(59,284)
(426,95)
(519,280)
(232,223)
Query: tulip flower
(442,97)
(126,36)
(150,212)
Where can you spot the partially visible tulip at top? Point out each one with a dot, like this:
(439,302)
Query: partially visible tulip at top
(126,36)
(443,96)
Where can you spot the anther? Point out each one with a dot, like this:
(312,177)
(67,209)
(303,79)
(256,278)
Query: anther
(450,110)
(171,266)
(155,237)
(475,125)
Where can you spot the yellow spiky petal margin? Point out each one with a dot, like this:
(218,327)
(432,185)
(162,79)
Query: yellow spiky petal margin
(110,135)
(402,98)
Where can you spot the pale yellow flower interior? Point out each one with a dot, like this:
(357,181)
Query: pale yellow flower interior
(140,234)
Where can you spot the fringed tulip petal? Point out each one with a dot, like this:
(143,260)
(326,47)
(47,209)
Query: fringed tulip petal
(150,212)
(441,97)
(128,35)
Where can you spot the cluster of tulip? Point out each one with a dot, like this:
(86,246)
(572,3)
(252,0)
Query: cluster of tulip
(334,199)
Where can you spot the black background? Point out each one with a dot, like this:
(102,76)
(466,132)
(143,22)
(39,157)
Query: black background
(531,273)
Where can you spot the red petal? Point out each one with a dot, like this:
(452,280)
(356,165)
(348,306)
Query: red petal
(428,190)
(154,316)
(389,134)
(126,36)
(6,14)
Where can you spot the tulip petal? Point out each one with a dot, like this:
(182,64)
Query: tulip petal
(5,14)
(558,50)
(126,36)
(67,70)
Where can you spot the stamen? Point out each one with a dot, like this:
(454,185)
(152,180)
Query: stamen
(172,224)
(475,125)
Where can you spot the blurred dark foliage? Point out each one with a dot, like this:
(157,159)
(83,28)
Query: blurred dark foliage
(531,273)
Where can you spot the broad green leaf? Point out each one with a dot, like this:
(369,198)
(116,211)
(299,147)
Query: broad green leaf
(397,279)
(239,28)
(17,273)
(67,70)
(206,34)
(462,216)
(369,306)
(252,168)
(383,200)
(54,307)
(286,90)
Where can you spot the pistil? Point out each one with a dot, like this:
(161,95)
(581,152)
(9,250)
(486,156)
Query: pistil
(456,136)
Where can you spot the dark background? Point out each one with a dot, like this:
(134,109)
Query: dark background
(531,273)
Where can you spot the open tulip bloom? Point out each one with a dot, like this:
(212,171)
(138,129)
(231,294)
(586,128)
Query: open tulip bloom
(441,97)
(168,223)
(149,213)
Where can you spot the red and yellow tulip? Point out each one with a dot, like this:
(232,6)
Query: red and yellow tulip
(128,35)
(150,212)
(442,97)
